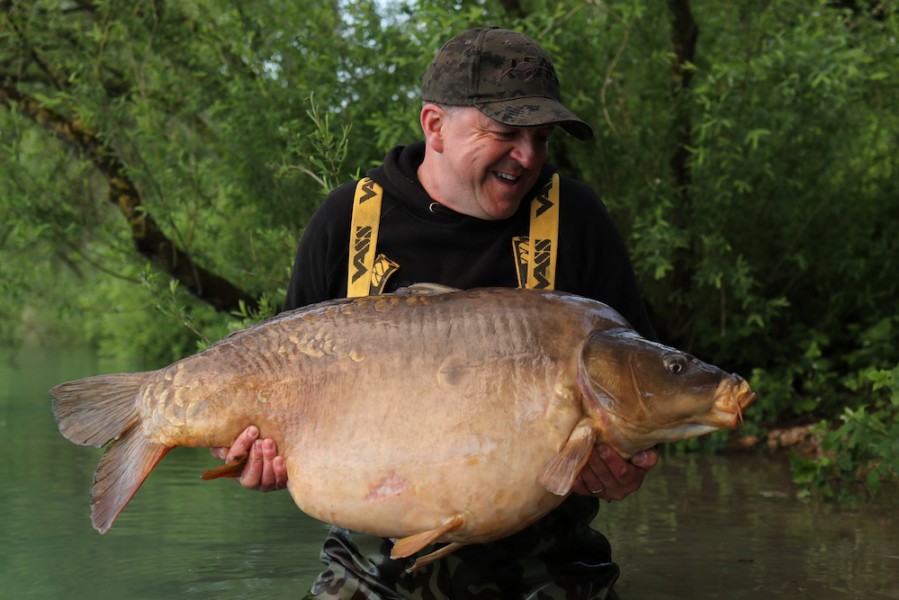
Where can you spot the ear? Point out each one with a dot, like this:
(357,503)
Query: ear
(433,119)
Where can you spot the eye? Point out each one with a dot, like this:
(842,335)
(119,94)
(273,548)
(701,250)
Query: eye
(675,364)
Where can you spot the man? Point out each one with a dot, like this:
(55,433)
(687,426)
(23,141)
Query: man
(456,210)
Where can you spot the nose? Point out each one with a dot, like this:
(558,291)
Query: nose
(527,151)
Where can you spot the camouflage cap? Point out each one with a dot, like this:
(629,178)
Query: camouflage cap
(504,74)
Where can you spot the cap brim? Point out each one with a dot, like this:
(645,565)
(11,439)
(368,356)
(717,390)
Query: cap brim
(536,112)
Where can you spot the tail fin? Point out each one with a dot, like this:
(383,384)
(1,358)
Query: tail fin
(97,410)
(123,468)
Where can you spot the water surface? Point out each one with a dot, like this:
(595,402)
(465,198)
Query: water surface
(701,527)
(732,528)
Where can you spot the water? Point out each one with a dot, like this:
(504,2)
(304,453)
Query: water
(701,527)
(179,537)
(732,528)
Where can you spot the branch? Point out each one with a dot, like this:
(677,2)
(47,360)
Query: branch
(684,34)
(149,240)
(52,74)
(514,8)
(607,80)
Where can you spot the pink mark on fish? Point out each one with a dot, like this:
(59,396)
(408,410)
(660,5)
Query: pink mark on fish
(391,485)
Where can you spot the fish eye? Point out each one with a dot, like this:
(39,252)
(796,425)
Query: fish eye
(675,364)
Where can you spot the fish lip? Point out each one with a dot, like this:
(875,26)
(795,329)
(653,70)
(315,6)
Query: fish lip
(732,396)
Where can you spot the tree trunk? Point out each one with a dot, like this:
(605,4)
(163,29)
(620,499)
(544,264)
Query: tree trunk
(149,240)
(684,34)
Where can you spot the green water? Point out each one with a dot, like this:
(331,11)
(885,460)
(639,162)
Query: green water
(701,527)
(732,528)
(179,537)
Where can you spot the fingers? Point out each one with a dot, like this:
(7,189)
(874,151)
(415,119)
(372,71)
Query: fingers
(252,472)
(243,443)
(609,476)
(279,468)
(646,459)
(265,470)
(240,447)
(590,481)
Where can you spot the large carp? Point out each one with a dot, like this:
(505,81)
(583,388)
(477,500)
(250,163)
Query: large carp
(428,416)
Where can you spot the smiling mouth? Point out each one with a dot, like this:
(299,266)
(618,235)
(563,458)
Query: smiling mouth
(505,177)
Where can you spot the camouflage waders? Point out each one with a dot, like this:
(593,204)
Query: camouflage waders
(559,557)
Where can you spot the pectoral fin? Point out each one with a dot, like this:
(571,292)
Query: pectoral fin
(229,469)
(559,475)
(435,555)
(408,546)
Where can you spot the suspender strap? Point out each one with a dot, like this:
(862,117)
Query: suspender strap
(535,255)
(363,237)
(544,237)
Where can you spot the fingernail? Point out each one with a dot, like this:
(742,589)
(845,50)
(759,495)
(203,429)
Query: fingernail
(605,451)
(640,459)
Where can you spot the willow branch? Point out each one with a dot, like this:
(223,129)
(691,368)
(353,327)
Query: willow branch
(148,238)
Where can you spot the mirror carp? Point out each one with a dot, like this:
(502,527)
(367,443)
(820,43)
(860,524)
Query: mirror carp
(431,415)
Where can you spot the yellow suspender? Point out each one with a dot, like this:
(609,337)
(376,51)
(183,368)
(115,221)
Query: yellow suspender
(363,237)
(543,238)
(535,255)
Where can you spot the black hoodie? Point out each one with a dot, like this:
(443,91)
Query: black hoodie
(433,244)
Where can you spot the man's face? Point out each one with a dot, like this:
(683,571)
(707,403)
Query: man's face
(489,167)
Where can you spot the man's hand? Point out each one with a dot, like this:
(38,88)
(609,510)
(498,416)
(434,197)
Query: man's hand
(608,476)
(265,470)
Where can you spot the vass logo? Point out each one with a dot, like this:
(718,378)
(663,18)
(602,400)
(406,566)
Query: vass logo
(542,203)
(366,274)
(381,272)
(542,253)
(535,253)
(361,246)
(543,249)
(362,234)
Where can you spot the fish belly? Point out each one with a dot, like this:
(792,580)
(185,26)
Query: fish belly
(398,475)
(459,418)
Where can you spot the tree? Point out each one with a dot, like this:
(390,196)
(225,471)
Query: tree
(169,154)
(189,120)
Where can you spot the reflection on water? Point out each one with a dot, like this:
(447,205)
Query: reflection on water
(731,527)
(179,537)
(702,527)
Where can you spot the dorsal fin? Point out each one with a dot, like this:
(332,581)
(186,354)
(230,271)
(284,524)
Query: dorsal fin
(426,288)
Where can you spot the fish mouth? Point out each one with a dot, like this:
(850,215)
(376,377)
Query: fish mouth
(732,397)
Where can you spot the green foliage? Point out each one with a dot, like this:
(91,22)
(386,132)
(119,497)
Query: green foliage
(770,250)
(861,451)
(860,445)
(782,209)
(329,150)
